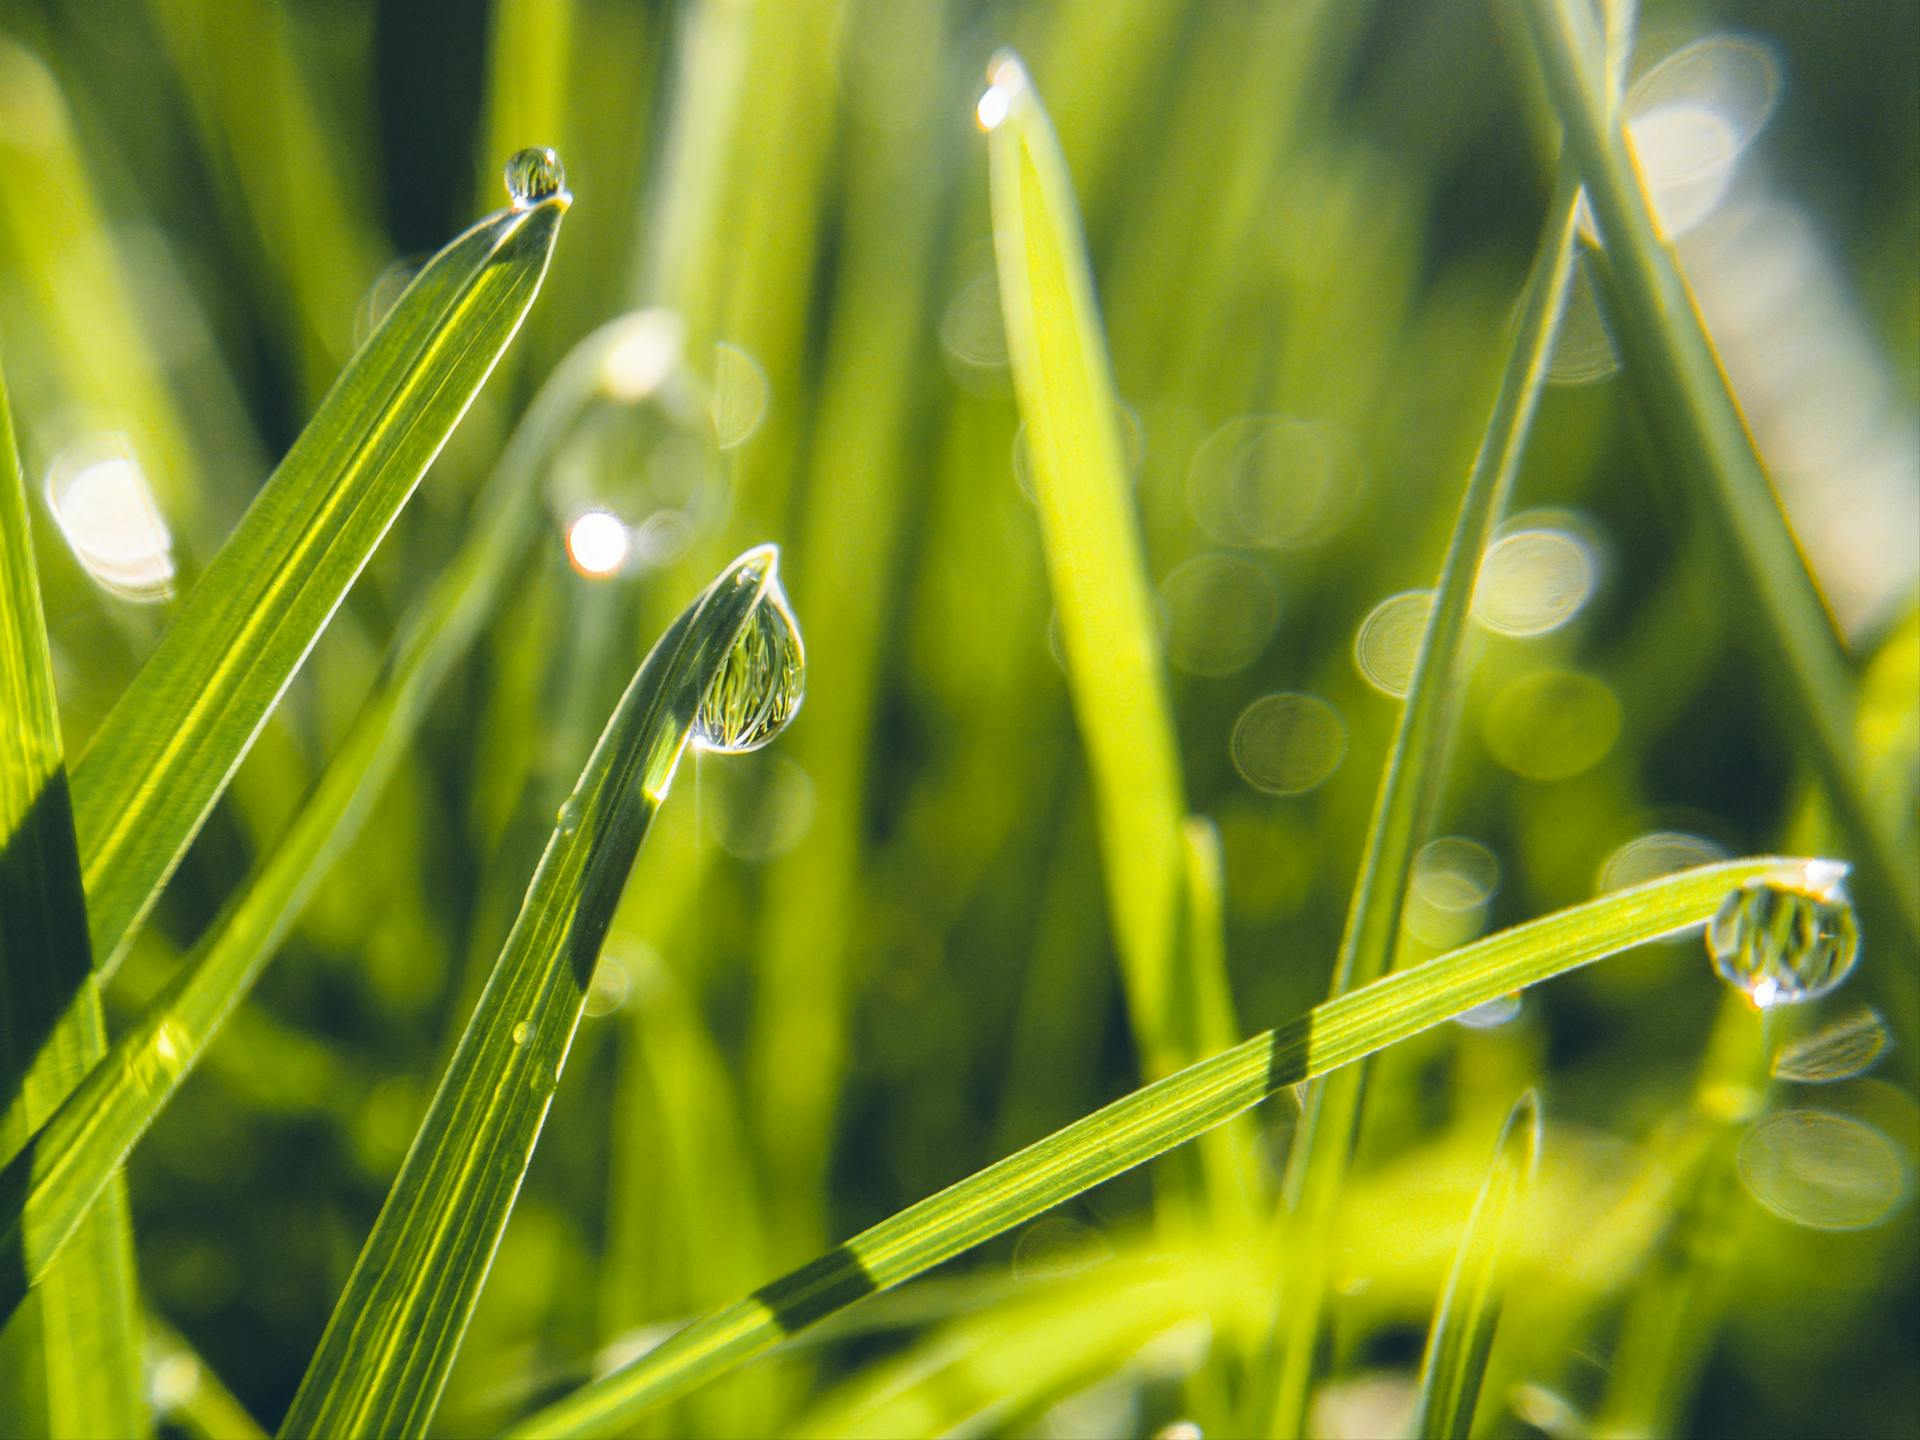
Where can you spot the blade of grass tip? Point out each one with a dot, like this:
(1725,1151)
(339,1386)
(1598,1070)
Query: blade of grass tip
(46,1190)
(1149,1122)
(384,1358)
(1697,422)
(162,757)
(1094,557)
(70,1365)
(1409,782)
(1461,1340)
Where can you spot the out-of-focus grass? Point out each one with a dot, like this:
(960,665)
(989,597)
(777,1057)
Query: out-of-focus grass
(878,957)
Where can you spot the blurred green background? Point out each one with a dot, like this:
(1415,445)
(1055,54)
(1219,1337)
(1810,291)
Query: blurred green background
(874,957)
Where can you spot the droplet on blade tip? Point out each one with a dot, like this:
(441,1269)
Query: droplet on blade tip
(533,175)
(764,677)
(1006,79)
(1783,943)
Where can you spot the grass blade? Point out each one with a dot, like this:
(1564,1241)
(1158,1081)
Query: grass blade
(1697,424)
(162,757)
(1095,562)
(1462,1337)
(47,1189)
(1147,1123)
(1408,784)
(385,1355)
(72,1362)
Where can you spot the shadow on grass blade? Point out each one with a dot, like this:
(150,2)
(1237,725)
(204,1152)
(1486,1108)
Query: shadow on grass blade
(385,1355)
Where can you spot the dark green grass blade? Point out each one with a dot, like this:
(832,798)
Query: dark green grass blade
(162,757)
(1462,1337)
(71,1364)
(1146,1123)
(384,1358)
(1698,426)
(46,1190)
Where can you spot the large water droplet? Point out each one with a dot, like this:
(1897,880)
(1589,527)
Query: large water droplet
(520,1033)
(533,175)
(1782,942)
(760,686)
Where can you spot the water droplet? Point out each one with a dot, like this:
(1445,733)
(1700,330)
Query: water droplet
(520,1033)
(1847,1047)
(567,820)
(1823,1170)
(1533,581)
(1180,1430)
(1493,1014)
(609,988)
(174,1382)
(1220,611)
(533,175)
(105,508)
(1782,943)
(1006,80)
(1289,743)
(760,685)
(1057,1246)
(1388,641)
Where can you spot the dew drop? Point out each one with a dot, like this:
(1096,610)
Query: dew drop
(533,175)
(1847,1047)
(1781,943)
(760,685)
(568,818)
(520,1033)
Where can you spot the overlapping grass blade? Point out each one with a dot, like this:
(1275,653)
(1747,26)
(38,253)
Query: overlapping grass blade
(1408,785)
(1461,1340)
(46,1190)
(71,1364)
(161,758)
(1149,1122)
(1095,562)
(1697,424)
(385,1355)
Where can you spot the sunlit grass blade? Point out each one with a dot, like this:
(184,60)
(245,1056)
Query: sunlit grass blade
(1461,1340)
(1095,562)
(161,758)
(46,1190)
(385,1355)
(1408,784)
(1149,1122)
(188,1396)
(1697,423)
(70,1366)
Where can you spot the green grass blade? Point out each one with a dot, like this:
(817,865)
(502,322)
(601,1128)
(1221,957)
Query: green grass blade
(1095,562)
(1461,1341)
(163,755)
(71,1364)
(47,1190)
(1697,423)
(1408,784)
(189,1396)
(385,1355)
(1147,1123)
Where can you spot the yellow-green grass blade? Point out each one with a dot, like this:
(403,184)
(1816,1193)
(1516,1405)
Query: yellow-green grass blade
(1461,1340)
(47,1189)
(1147,1123)
(188,1395)
(1095,562)
(386,1352)
(1696,421)
(1408,785)
(162,757)
(71,1364)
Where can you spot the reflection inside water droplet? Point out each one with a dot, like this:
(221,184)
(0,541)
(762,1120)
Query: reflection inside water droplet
(1782,943)
(533,175)
(760,685)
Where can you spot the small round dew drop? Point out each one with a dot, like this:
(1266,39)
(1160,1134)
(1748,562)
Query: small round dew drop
(520,1033)
(1781,943)
(760,685)
(533,175)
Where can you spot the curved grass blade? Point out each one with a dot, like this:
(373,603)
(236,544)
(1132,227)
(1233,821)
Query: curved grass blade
(162,757)
(46,1190)
(1147,1123)
(1697,423)
(71,1365)
(1462,1337)
(385,1355)
(1095,561)
(1409,782)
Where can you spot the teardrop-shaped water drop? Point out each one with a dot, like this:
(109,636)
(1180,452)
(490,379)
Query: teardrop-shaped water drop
(533,175)
(568,818)
(760,685)
(1782,942)
(520,1033)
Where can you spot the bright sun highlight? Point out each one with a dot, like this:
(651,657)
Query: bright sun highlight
(597,543)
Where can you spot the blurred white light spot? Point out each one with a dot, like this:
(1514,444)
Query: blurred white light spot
(1388,642)
(1823,1170)
(1006,79)
(643,351)
(1500,1010)
(1220,613)
(739,395)
(1287,744)
(1691,116)
(993,107)
(174,1383)
(1272,480)
(105,508)
(1659,852)
(1452,880)
(1583,348)
(597,543)
(1533,581)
